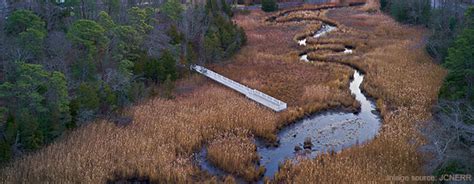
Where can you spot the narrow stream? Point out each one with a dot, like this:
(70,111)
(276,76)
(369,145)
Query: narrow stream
(321,133)
(329,131)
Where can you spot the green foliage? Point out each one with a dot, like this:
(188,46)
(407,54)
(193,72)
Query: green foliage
(22,20)
(105,21)
(169,66)
(469,17)
(226,8)
(222,39)
(128,42)
(108,98)
(141,19)
(39,105)
(459,83)
(410,11)
(159,70)
(58,104)
(31,136)
(58,100)
(90,38)
(173,9)
(137,91)
(113,7)
(399,10)
(445,27)
(88,34)
(5,151)
(191,55)
(212,7)
(87,96)
(32,41)
(29,30)
(11,129)
(153,70)
(212,45)
(269,5)
(384,4)
(8,139)
(175,35)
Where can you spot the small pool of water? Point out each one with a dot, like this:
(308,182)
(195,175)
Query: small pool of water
(302,42)
(348,51)
(304,58)
(326,28)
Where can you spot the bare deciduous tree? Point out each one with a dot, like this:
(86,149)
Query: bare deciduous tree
(449,135)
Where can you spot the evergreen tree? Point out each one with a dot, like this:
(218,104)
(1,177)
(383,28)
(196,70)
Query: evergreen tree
(39,105)
(32,41)
(87,96)
(141,19)
(105,21)
(90,38)
(173,9)
(28,29)
(57,99)
(113,7)
(88,34)
(226,8)
(460,64)
(169,67)
(22,20)
(153,70)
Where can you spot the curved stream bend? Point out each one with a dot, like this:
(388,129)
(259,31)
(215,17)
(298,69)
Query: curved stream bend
(320,133)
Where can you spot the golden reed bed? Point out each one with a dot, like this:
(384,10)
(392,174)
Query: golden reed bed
(165,134)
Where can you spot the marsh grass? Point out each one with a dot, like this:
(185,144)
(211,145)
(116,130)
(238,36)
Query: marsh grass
(236,154)
(165,134)
(405,83)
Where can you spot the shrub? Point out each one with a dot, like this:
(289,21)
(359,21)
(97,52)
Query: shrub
(410,11)
(269,5)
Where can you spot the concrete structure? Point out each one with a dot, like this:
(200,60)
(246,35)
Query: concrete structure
(253,94)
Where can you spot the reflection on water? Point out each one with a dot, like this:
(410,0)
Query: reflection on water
(324,30)
(304,58)
(302,42)
(330,131)
(348,51)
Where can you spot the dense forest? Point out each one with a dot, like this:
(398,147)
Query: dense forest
(66,63)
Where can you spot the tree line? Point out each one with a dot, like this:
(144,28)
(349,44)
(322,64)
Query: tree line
(66,63)
(451,44)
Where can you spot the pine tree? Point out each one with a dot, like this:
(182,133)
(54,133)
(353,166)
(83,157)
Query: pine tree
(460,64)
(169,67)
(173,9)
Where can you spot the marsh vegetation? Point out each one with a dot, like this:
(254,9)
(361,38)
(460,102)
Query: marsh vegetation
(169,136)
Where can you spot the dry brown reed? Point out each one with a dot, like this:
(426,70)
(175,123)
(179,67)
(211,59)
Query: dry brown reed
(405,81)
(165,134)
(235,154)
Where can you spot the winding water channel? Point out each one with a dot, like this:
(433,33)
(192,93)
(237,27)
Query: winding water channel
(330,131)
